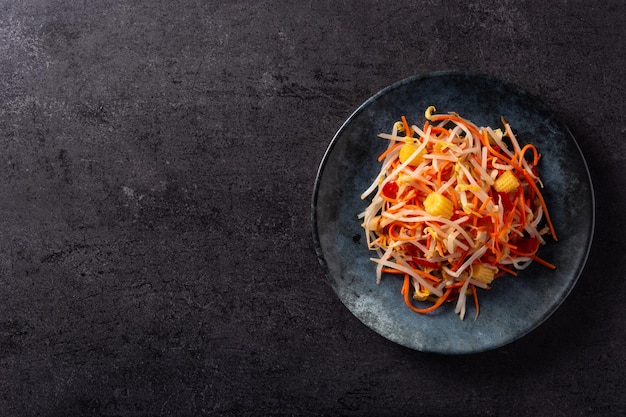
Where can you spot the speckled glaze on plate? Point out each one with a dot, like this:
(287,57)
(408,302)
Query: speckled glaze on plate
(515,305)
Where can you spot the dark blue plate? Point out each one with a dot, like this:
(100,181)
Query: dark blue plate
(515,305)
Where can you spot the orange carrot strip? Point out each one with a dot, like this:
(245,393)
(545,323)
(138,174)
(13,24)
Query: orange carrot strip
(535,154)
(407,128)
(427,275)
(397,237)
(509,245)
(392,271)
(542,262)
(455,265)
(377,240)
(393,201)
(440,173)
(522,204)
(405,291)
(475,295)
(484,205)
(508,223)
(439,130)
(439,248)
(456,284)
(507,270)
(388,150)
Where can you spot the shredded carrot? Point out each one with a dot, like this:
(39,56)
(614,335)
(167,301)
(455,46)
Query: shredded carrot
(543,262)
(428,276)
(475,295)
(392,271)
(507,270)
(389,150)
(483,206)
(474,227)
(406,290)
(522,208)
(407,128)
(455,201)
(535,153)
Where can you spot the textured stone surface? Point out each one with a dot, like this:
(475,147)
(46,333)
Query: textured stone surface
(157,161)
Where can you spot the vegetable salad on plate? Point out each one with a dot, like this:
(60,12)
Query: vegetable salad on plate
(454,207)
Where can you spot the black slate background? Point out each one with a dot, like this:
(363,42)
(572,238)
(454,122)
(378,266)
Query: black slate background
(157,161)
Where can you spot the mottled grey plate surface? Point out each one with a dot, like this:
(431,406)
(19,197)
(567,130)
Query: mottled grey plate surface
(515,305)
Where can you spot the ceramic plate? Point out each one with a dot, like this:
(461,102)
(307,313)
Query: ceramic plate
(515,305)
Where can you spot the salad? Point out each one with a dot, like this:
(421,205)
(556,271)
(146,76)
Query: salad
(454,207)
